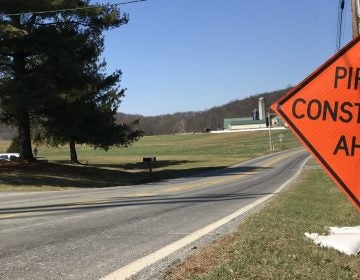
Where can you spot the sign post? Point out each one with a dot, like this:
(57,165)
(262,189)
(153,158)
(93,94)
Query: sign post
(324,113)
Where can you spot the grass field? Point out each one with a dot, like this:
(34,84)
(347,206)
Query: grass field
(271,243)
(177,155)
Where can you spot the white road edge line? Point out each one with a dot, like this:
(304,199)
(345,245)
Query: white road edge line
(136,266)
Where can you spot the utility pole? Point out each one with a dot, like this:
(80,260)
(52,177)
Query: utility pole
(355,11)
(269,123)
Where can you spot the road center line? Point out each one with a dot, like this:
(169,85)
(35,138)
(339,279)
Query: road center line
(202,183)
(137,265)
(15,215)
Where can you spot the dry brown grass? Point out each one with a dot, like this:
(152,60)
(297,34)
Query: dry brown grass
(202,262)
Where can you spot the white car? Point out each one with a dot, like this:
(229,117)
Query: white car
(9,156)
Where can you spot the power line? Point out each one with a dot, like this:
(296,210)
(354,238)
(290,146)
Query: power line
(75,9)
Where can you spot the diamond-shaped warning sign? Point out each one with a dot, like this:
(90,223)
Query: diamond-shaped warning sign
(324,112)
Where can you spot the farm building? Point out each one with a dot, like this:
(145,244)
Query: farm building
(243,123)
(258,120)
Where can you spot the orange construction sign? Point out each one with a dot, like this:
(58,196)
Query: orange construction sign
(324,113)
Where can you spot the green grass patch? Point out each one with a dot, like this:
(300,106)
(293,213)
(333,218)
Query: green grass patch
(271,244)
(4,145)
(177,155)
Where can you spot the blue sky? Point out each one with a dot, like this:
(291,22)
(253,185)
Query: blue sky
(191,55)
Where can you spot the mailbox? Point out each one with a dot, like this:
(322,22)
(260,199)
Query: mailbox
(149,159)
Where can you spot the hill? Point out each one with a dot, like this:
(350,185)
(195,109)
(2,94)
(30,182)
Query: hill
(189,122)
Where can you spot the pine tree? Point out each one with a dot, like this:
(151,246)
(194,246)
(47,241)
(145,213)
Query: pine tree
(37,74)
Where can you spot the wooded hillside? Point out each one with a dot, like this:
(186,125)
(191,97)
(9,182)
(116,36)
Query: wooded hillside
(188,122)
(213,118)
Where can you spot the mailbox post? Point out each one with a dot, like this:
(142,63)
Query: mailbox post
(149,161)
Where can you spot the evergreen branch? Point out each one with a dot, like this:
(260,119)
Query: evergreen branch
(72,9)
(6,64)
(82,23)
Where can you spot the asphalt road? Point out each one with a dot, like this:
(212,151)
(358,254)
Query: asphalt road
(88,234)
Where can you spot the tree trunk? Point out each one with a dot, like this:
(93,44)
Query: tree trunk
(73,154)
(24,135)
(23,117)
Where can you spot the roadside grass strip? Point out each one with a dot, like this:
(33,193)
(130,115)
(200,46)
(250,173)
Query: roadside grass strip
(271,244)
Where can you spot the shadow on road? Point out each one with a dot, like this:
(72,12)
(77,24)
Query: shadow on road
(125,202)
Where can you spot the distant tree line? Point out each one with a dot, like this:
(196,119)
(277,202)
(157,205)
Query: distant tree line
(187,122)
(192,122)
